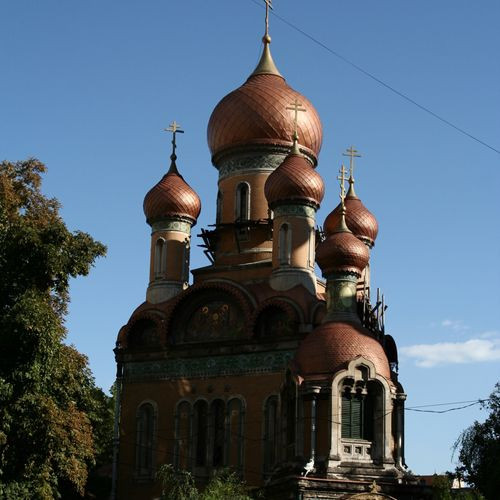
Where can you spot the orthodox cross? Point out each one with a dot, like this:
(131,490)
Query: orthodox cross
(175,128)
(269,5)
(341,178)
(352,153)
(296,107)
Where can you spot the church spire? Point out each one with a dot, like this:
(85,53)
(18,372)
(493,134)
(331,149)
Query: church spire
(175,128)
(266,64)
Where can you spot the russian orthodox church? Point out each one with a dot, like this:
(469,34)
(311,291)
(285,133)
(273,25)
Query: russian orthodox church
(260,365)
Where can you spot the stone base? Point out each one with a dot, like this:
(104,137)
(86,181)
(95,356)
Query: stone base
(285,278)
(161,291)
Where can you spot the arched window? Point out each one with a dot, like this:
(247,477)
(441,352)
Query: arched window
(217,425)
(284,244)
(145,441)
(357,415)
(200,435)
(243,202)
(311,247)
(218,216)
(160,261)
(234,435)
(270,433)
(186,246)
(182,435)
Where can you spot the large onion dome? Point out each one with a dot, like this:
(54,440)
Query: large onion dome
(341,251)
(358,219)
(331,346)
(255,114)
(294,180)
(172,197)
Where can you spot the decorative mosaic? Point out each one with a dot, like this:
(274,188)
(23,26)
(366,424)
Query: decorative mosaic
(303,210)
(237,364)
(250,163)
(172,225)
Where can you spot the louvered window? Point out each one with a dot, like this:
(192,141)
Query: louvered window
(357,416)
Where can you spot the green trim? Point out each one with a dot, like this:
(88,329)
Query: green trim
(250,163)
(294,210)
(171,225)
(237,364)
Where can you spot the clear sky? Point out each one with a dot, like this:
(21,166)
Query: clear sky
(87,87)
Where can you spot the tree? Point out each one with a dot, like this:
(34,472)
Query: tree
(49,405)
(479,450)
(180,485)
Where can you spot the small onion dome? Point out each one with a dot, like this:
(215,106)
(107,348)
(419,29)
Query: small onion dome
(171,197)
(256,114)
(358,219)
(294,180)
(331,346)
(341,251)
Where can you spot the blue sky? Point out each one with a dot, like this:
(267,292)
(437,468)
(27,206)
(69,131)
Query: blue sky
(87,87)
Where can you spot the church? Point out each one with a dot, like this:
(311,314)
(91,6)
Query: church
(260,365)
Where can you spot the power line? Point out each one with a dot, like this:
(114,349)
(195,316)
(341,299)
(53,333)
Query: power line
(448,404)
(380,82)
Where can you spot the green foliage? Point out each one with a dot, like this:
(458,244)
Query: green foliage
(50,408)
(180,485)
(479,450)
(441,488)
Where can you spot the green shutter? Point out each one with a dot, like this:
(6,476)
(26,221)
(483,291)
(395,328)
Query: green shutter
(346,416)
(356,417)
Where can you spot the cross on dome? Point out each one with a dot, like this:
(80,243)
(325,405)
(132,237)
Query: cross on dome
(352,153)
(269,5)
(296,106)
(175,128)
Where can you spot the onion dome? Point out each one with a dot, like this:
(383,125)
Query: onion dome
(341,251)
(358,219)
(331,346)
(172,197)
(255,114)
(294,180)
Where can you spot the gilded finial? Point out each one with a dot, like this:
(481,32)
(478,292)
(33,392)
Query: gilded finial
(296,107)
(266,64)
(352,153)
(342,226)
(175,128)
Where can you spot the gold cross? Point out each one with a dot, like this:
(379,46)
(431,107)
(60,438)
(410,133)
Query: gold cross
(175,128)
(352,153)
(296,107)
(269,5)
(341,178)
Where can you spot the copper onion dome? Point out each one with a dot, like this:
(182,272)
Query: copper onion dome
(171,197)
(331,346)
(294,179)
(255,113)
(359,219)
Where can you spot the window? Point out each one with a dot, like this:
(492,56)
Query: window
(357,415)
(284,244)
(243,202)
(146,423)
(200,422)
(182,435)
(218,431)
(218,216)
(234,440)
(186,246)
(160,258)
(270,433)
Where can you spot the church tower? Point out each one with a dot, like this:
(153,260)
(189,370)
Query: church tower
(259,365)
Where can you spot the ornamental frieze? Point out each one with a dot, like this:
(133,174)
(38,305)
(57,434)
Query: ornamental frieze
(237,364)
(250,163)
(172,225)
(300,210)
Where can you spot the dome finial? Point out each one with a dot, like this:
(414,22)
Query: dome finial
(266,64)
(296,107)
(352,153)
(342,226)
(175,128)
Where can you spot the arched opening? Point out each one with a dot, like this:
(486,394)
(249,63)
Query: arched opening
(146,428)
(357,415)
(285,245)
(271,426)
(160,260)
(200,435)
(186,247)
(234,440)
(182,435)
(218,430)
(243,202)
(218,212)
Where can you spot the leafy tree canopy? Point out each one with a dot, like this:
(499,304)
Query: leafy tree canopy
(479,450)
(50,407)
